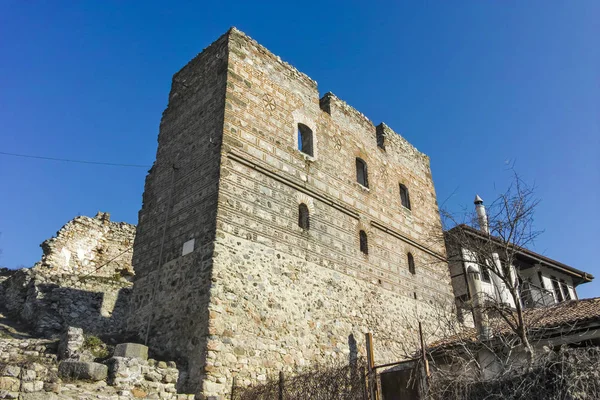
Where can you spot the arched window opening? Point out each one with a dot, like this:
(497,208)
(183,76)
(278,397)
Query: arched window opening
(364,245)
(361,172)
(303,217)
(411,263)
(305,140)
(404,198)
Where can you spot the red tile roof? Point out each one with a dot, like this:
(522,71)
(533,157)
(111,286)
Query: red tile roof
(566,315)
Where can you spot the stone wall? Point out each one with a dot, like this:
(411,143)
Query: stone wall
(29,370)
(89,246)
(255,293)
(170,298)
(284,297)
(47,303)
(82,280)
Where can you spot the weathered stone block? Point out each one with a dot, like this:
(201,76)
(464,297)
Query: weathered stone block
(9,384)
(131,350)
(38,396)
(83,370)
(28,375)
(52,387)
(71,342)
(8,395)
(30,387)
(10,370)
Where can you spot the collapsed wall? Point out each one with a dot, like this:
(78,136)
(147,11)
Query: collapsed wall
(82,280)
(35,369)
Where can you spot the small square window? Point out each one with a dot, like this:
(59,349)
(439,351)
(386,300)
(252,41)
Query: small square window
(361,173)
(305,140)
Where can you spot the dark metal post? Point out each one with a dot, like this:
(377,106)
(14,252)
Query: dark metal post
(363,378)
(233,388)
(281,385)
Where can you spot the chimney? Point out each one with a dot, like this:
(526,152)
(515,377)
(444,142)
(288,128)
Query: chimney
(481,214)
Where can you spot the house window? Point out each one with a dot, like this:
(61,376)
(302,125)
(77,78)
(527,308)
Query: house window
(305,140)
(411,263)
(404,198)
(364,245)
(557,293)
(303,217)
(485,274)
(565,289)
(541,278)
(361,172)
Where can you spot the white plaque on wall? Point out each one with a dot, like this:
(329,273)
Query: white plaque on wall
(188,247)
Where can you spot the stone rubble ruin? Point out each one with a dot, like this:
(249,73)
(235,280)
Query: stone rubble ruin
(82,280)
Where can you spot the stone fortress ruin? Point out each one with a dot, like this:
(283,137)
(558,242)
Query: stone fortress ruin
(278,226)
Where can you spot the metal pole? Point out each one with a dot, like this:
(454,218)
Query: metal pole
(363,378)
(281,385)
(233,388)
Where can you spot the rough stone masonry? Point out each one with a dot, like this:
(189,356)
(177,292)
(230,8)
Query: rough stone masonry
(83,279)
(226,278)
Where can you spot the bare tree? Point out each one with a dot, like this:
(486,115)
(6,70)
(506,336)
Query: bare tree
(505,229)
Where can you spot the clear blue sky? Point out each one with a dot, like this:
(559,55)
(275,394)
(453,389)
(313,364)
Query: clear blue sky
(473,84)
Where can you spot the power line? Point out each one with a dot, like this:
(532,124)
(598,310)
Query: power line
(74,161)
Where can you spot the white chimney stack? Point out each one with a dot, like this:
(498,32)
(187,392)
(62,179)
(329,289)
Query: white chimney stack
(481,215)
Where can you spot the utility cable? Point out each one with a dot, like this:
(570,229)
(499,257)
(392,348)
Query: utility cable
(108,262)
(74,161)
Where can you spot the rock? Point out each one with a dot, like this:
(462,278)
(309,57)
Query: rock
(131,350)
(83,370)
(28,375)
(138,393)
(38,396)
(70,346)
(9,384)
(10,370)
(153,376)
(212,387)
(53,387)
(30,387)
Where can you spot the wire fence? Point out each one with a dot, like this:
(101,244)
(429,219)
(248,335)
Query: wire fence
(319,382)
